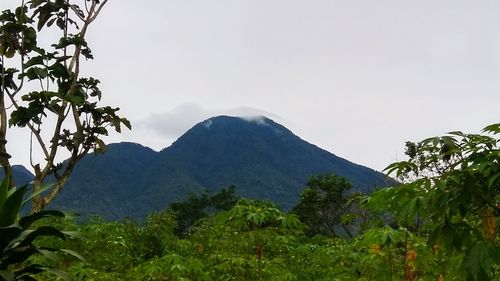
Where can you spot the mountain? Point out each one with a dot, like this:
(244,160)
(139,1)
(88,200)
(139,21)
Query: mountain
(108,184)
(263,159)
(21,175)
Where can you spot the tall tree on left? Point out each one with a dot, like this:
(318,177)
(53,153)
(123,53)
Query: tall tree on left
(43,91)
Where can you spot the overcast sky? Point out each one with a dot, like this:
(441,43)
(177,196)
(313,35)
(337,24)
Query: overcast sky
(355,77)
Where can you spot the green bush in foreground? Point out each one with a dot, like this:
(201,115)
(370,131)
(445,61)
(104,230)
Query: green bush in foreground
(17,239)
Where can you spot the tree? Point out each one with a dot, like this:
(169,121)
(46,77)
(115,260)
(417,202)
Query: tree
(196,207)
(451,193)
(63,113)
(323,204)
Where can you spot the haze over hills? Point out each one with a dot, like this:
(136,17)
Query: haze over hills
(263,159)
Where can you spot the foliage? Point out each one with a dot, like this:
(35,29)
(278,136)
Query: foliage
(324,204)
(18,240)
(432,234)
(451,193)
(124,244)
(68,101)
(196,207)
(253,241)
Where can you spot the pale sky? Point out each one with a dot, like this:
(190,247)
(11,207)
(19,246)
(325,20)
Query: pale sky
(357,78)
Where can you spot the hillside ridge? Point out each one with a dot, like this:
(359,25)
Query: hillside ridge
(262,158)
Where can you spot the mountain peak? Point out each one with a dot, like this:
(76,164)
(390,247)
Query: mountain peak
(240,124)
(262,158)
(225,119)
(224,132)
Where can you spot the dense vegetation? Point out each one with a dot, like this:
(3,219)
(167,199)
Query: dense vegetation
(440,223)
(18,246)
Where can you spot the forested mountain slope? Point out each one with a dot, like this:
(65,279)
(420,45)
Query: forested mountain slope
(263,159)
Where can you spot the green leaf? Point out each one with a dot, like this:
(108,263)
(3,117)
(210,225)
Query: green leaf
(6,274)
(10,209)
(26,221)
(29,236)
(36,72)
(457,133)
(38,60)
(410,209)
(4,188)
(18,255)
(29,39)
(58,70)
(42,189)
(101,146)
(494,129)
(19,117)
(492,180)
(45,13)
(73,234)
(478,262)
(72,253)
(31,269)
(51,255)
(7,234)
(126,122)
(61,274)
(77,99)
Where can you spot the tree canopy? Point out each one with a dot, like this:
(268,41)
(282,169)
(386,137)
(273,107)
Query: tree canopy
(323,204)
(450,192)
(42,89)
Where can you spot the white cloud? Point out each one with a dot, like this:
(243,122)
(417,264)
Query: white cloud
(259,119)
(208,123)
(357,78)
(175,122)
(159,130)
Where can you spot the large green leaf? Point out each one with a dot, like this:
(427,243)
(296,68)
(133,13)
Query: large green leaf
(34,61)
(18,255)
(58,70)
(42,189)
(73,234)
(8,234)
(4,188)
(493,128)
(6,274)
(44,14)
(31,269)
(477,262)
(26,221)
(50,254)
(72,253)
(11,207)
(61,274)
(28,236)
